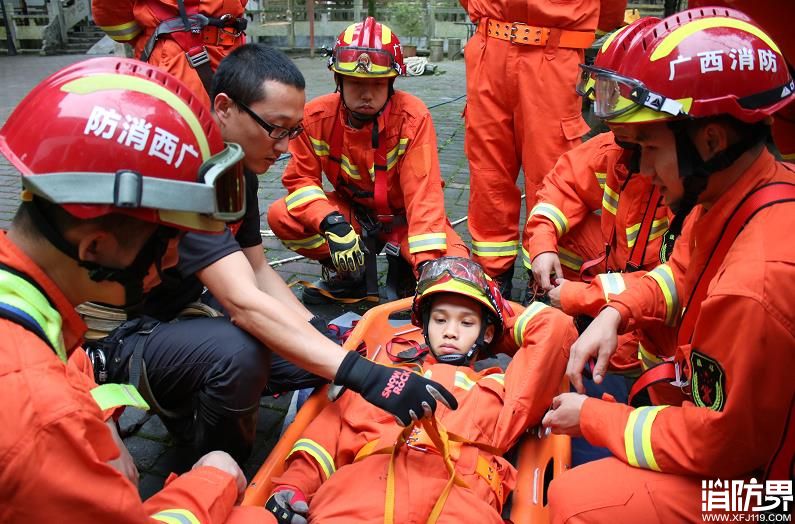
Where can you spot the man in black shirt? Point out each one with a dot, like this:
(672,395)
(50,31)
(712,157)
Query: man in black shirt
(204,376)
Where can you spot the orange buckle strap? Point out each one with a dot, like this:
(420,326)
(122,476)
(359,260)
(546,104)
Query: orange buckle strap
(221,36)
(491,476)
(525,34)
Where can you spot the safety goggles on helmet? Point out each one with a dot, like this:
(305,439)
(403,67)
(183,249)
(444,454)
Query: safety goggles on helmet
(364,60)
(585,85)
(467,274)
(615,95)
(220,193)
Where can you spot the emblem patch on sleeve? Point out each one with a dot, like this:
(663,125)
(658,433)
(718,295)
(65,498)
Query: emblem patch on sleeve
(708,382)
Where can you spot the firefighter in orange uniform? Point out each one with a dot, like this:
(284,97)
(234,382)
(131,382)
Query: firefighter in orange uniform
(596,220)
(339,468)
(522,110)
(187,38)
(701,121)
(377,148)
(92,227)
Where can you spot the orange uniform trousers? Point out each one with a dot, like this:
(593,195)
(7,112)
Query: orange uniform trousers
(612,491)
(522,111)
(293,232)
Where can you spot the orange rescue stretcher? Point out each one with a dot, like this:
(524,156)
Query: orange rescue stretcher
(540,458)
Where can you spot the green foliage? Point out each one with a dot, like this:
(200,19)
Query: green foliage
(408,17)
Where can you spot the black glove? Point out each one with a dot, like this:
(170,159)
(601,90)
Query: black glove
(288,504)
(408,396)
(346,247)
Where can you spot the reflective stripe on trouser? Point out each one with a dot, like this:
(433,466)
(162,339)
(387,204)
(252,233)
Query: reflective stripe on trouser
(311,243)
(506,129)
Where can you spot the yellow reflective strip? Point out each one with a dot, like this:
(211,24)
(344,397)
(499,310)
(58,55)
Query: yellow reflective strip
(303,195)
(305,243)
(317,452)
(526,262)
(554,214)
(462,381)
(632,234)
(402,146)
(427,242)
(114,395)
(499,377)
(610,200)
(176,516)
(119,27)
(612,284)
(601,178)
(350,169)
(664,277)
(647,359)
(321,147)
(427,373)
(495,249)
(521,322)
(671,41)
(122,32)
(569,259)
(111,82)
(658,228)
(347,38)
(789,157)
(637,437)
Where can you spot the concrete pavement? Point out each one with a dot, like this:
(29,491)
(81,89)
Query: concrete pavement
(147,439)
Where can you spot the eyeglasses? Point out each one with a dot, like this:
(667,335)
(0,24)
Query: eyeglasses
(274,131)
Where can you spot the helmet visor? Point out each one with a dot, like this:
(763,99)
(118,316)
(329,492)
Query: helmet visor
(363,60)
(224,172)
(616,95)
(585,84)
(464,272)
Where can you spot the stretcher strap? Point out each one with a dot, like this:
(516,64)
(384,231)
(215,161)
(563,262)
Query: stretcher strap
(310,285)
(759,199)
(663,372)
(420,350)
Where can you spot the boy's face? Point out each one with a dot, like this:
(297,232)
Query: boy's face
(365,95)
(454,324)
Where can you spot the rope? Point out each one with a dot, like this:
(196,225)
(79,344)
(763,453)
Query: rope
(415,65)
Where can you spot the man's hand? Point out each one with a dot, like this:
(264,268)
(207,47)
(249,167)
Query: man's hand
(125,463)
(223,461)
(544,266)
(564,417)
(599,340)
(554,294)
(345,246)
(288,504)
(408,396)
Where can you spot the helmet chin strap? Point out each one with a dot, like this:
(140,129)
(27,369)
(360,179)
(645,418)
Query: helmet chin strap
(456,359)
(131,277)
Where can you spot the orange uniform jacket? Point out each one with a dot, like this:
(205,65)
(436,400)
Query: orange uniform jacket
(742,346)
(494,409)
(133,22)
(54,446)
(414,183)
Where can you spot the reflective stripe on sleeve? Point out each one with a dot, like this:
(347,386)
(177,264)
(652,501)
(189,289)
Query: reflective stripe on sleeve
(601,178)
(320,147)
(304,195)
(176,516)
(521,322)
(122,32)
(317,452)
(554,214)
(569,259)
(349,168)
(664,277)
(305,243)
(526,262)
(428,242)
(496,249)
(647,359)
(612,284)
(463,381)
(637,437)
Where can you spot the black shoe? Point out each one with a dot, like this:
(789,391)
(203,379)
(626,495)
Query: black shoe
(504,283)
(332,287)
